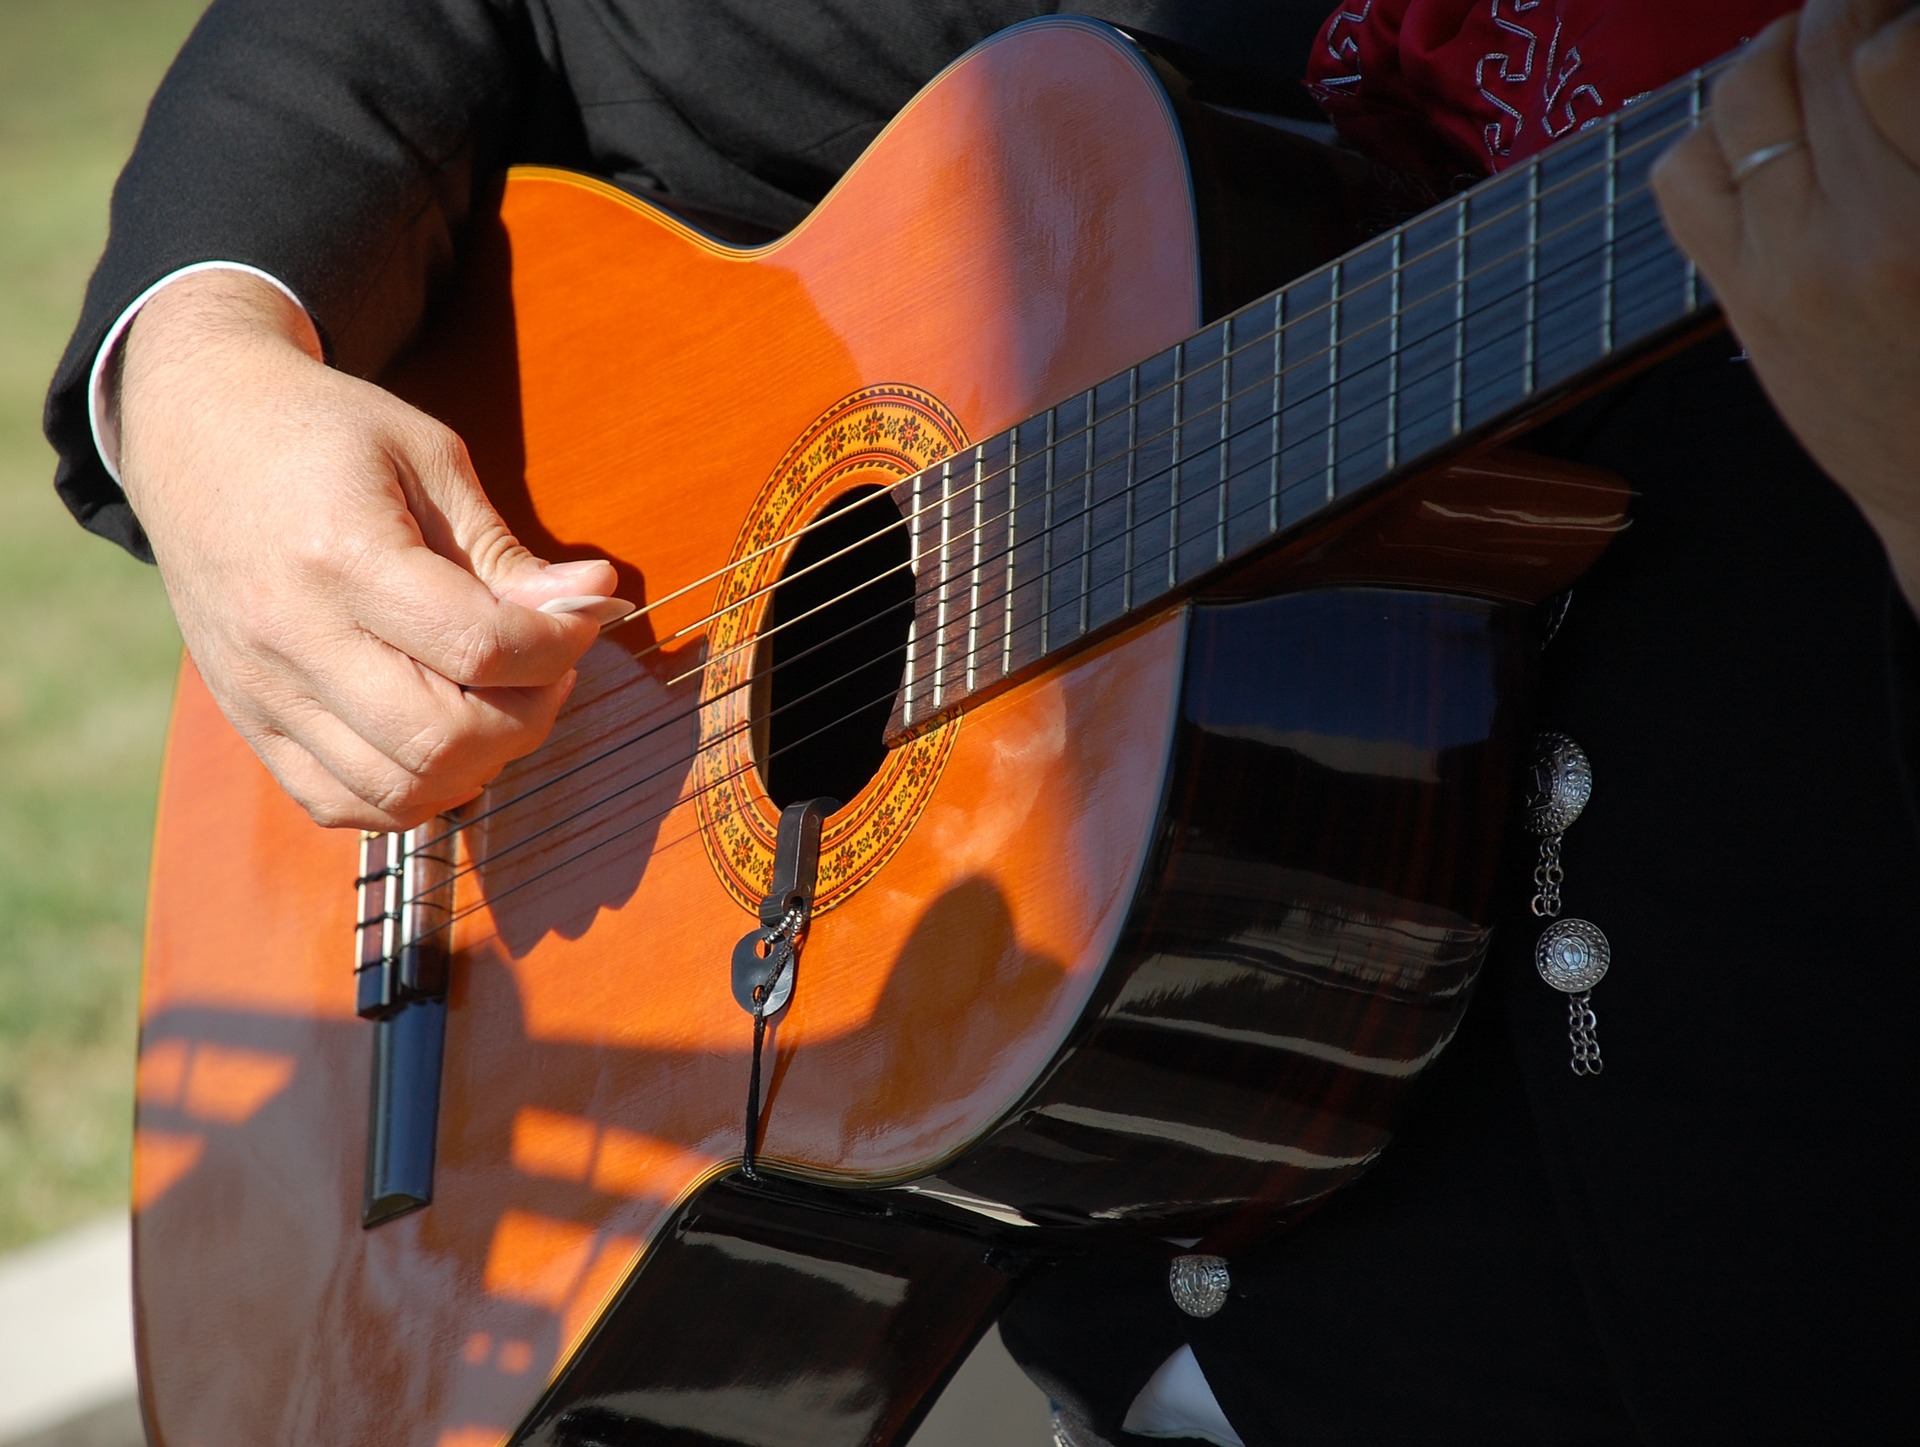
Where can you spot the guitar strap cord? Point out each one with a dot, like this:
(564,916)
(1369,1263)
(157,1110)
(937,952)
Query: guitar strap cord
(781,944)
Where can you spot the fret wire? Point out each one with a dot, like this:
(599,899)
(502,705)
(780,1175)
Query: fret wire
(1273,424)
(391,894)
(1460,318)
(940,606)
(1179,387)
(1696,86)
(973,582)
(1046,539)
(1013,544)
(1133,444)
(1086,524)
(916,554)
(1530,351)
(1612,186)
(1393,358)
(1333,380)
(1225,365)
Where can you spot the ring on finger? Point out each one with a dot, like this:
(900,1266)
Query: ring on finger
(1754,160)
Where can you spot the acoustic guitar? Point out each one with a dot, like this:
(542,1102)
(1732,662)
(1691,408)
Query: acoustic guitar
(1048,800)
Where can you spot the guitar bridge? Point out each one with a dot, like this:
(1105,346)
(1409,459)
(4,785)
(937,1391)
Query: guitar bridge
(405,896)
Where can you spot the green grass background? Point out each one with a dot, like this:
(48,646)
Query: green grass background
(87,648)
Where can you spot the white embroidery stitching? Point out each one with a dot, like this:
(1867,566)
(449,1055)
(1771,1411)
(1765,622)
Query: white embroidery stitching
(1345,49)
(1504,129)
(1559,85)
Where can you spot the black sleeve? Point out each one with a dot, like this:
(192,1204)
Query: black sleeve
(337,144)
(333,145)
(1903,686)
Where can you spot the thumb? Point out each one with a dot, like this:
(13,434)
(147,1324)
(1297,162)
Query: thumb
(457,521)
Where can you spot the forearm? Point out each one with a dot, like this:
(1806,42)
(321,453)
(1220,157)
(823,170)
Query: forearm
(193,341)
(337,147)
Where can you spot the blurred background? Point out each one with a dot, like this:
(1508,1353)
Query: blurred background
(87,654)
(87,647)
(87,658)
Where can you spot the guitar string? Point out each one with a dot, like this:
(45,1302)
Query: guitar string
(1268,382)
(1070,439)
(1346,299)
(493,897)
(686,760)
(1078,518)
(1278,379)
(1454,243)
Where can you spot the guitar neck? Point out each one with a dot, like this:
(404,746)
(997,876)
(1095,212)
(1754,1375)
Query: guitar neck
(1444,329)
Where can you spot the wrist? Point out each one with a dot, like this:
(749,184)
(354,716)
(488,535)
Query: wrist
(195,355)
(214,312)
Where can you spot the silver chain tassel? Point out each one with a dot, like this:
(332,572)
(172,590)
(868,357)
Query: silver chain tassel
(1572,954)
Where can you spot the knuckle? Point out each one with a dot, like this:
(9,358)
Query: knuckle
(313,553)
(475,655)
(429,751)
(336,814)
(399,795)
(279,637)
(447,449)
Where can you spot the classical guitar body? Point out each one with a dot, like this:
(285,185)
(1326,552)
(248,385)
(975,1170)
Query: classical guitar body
(1144,934)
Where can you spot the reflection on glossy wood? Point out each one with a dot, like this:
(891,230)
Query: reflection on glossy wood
(721,1338)
(1092,867)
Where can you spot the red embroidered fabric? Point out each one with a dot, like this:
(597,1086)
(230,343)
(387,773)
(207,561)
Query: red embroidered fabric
(1453,88)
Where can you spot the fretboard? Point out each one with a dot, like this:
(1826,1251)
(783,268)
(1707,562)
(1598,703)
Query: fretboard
(1454,324)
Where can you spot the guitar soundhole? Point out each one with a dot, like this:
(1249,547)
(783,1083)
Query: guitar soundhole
(834,651)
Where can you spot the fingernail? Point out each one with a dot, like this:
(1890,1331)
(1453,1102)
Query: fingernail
(567,685)
(579,569)
(604,611)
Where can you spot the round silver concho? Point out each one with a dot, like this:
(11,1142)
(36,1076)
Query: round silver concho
(1572,955)
(1560,786)
(1199,1283)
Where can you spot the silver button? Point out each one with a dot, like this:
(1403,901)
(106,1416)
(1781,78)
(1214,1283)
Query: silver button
(1572,955)
(1199,1283)
(1561,784)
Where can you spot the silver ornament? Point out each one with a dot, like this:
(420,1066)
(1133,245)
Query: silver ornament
(1199,1284)
(1560,785)
(1572,955)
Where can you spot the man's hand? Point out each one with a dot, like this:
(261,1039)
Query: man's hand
(1799,198)
(358,609)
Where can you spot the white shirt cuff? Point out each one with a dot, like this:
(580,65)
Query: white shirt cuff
(1178,1402)
(106,431)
